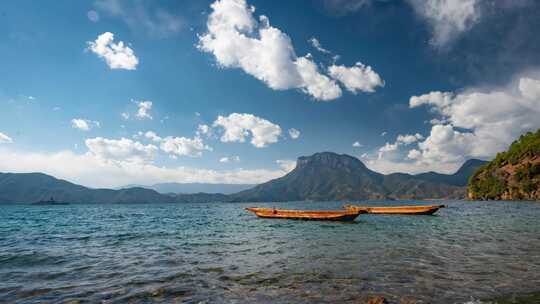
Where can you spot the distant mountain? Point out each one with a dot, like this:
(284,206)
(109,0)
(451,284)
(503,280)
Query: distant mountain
(190,188)
(460,178)
(323,176)
(330,176)
(34,187)
(512,175)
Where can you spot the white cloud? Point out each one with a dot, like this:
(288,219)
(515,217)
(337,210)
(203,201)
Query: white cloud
(90,170)
(314,83)
(474,123)
(384,133)
(530,89)
(144,108)
(151,135)
(239,126)
(237,40)
(286,165)
(357,144)
(80,124)
(120,150)
(401,140)
(448,18)
(178,146)
(409,139)
(125,115)
(183,146)
(4,139)
(414,154)
(487,121)
(356,78)
(388,147)
(204,129)
(294,133)
(116,55)
(227,159)
(437,99)
(84,124)
(317,45)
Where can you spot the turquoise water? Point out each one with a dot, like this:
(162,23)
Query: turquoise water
(219,253)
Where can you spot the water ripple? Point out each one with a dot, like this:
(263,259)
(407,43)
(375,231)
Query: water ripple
(218,253)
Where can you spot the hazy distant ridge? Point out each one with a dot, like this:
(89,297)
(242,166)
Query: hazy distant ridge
(322,176)
(190,188)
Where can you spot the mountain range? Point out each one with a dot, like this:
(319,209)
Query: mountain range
(330,176)
(323,176)
(190,188)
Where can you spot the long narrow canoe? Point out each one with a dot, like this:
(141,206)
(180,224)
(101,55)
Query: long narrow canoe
(412,210)
(320,215)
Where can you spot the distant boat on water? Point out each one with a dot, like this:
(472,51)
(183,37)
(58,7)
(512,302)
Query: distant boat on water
(51,201)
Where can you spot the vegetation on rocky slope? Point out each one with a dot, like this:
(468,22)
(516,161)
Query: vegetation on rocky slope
(512,175)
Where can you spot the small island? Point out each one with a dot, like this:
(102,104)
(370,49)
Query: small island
(49,202)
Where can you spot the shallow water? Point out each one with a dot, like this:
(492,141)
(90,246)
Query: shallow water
(219,253)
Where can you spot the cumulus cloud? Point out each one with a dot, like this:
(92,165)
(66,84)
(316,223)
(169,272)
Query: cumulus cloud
(237,127)
(183,146)
(116,55)
(357,144)
(238,40)
(122,149)
(4,139)
(356,78)
(294,133)
(143,111)
(204,129)
(179,146)
(151,135)
(84,124)
(486,121)
(401,140)
(474,123)
(447,18)
(409,139)
(90,170)
(125,115)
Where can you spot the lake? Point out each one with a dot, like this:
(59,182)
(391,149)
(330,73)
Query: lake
(219,253)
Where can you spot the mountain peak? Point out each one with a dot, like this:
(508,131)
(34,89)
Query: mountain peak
(332,160)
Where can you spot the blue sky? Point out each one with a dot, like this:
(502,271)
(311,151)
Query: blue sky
(107,93)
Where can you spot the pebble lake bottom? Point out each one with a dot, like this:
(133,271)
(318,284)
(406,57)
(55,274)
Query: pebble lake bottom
(470,252)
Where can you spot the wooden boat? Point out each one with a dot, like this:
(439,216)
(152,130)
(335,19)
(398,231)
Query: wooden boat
(411,210)
(321,215)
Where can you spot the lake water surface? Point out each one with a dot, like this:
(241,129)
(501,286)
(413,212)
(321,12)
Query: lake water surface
(219,253)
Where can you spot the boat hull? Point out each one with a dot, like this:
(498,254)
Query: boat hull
(311,215)
(404,210)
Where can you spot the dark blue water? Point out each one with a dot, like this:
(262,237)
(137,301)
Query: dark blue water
(219,253)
